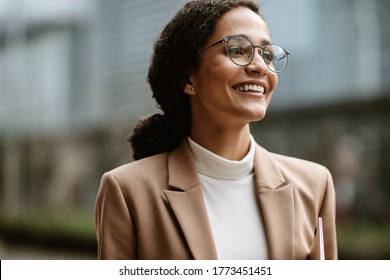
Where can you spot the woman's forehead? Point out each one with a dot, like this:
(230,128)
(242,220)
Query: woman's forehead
(242,21)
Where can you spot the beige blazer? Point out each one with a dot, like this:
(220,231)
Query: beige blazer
(154,208)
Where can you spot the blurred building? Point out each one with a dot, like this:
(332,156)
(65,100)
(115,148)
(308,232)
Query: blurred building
(340,50)
(73,83)
(67,68)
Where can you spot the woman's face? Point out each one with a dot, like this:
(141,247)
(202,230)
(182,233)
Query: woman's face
(218,93)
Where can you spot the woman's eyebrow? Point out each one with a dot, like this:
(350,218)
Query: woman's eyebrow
(262,43)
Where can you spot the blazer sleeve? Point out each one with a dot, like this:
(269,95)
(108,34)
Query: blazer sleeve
(115,230)
(328,214)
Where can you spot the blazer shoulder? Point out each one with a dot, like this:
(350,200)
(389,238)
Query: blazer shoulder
(141,166)
(147,171)
(297,169)
(296,162)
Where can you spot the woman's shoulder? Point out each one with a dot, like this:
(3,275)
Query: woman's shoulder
(296,163)
(149,170)
(142,165)
(301,170)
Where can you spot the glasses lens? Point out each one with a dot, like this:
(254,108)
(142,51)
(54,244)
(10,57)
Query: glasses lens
(275,57)
(239,50)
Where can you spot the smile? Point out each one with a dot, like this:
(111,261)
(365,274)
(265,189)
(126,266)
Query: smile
(250,88)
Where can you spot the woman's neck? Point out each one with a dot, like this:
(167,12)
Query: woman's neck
(229,143)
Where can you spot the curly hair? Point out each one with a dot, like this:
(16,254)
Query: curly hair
(176,54)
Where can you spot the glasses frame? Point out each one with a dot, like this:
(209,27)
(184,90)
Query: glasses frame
(227,39)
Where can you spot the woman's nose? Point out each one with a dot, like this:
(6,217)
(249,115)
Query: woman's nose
(258,64)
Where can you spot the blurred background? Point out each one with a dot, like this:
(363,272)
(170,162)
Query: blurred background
(73,84)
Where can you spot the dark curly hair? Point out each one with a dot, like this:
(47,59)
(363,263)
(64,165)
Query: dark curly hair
(176,53)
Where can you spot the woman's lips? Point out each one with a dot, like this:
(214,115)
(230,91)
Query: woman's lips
(250,88)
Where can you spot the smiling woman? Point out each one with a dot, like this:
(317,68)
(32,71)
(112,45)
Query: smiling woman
(202,188)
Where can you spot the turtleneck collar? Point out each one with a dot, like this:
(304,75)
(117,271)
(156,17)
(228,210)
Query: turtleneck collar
(212,165)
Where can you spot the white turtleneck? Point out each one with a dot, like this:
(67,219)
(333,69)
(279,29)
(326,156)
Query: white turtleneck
(232,204)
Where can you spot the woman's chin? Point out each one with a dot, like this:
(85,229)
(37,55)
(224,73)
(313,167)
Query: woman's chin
(257,115)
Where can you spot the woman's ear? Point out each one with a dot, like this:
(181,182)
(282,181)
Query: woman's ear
(189,88)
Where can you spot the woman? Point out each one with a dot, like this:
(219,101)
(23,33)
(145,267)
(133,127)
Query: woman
(201,187)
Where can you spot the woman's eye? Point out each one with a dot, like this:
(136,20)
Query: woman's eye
(269,56)
(235,50)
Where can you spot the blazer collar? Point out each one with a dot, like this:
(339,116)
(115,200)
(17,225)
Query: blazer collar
(182,168)
(276,198)
(188,204)
(187,201)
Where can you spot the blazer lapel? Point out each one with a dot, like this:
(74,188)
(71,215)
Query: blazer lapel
(188,204)
(277,205)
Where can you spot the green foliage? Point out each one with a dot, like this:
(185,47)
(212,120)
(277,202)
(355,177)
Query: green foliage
(364,241)
(73,232)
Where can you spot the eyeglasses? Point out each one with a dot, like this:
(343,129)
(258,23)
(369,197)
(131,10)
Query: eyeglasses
(241,52)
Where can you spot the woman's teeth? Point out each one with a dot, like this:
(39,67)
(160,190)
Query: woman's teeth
(251,88)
